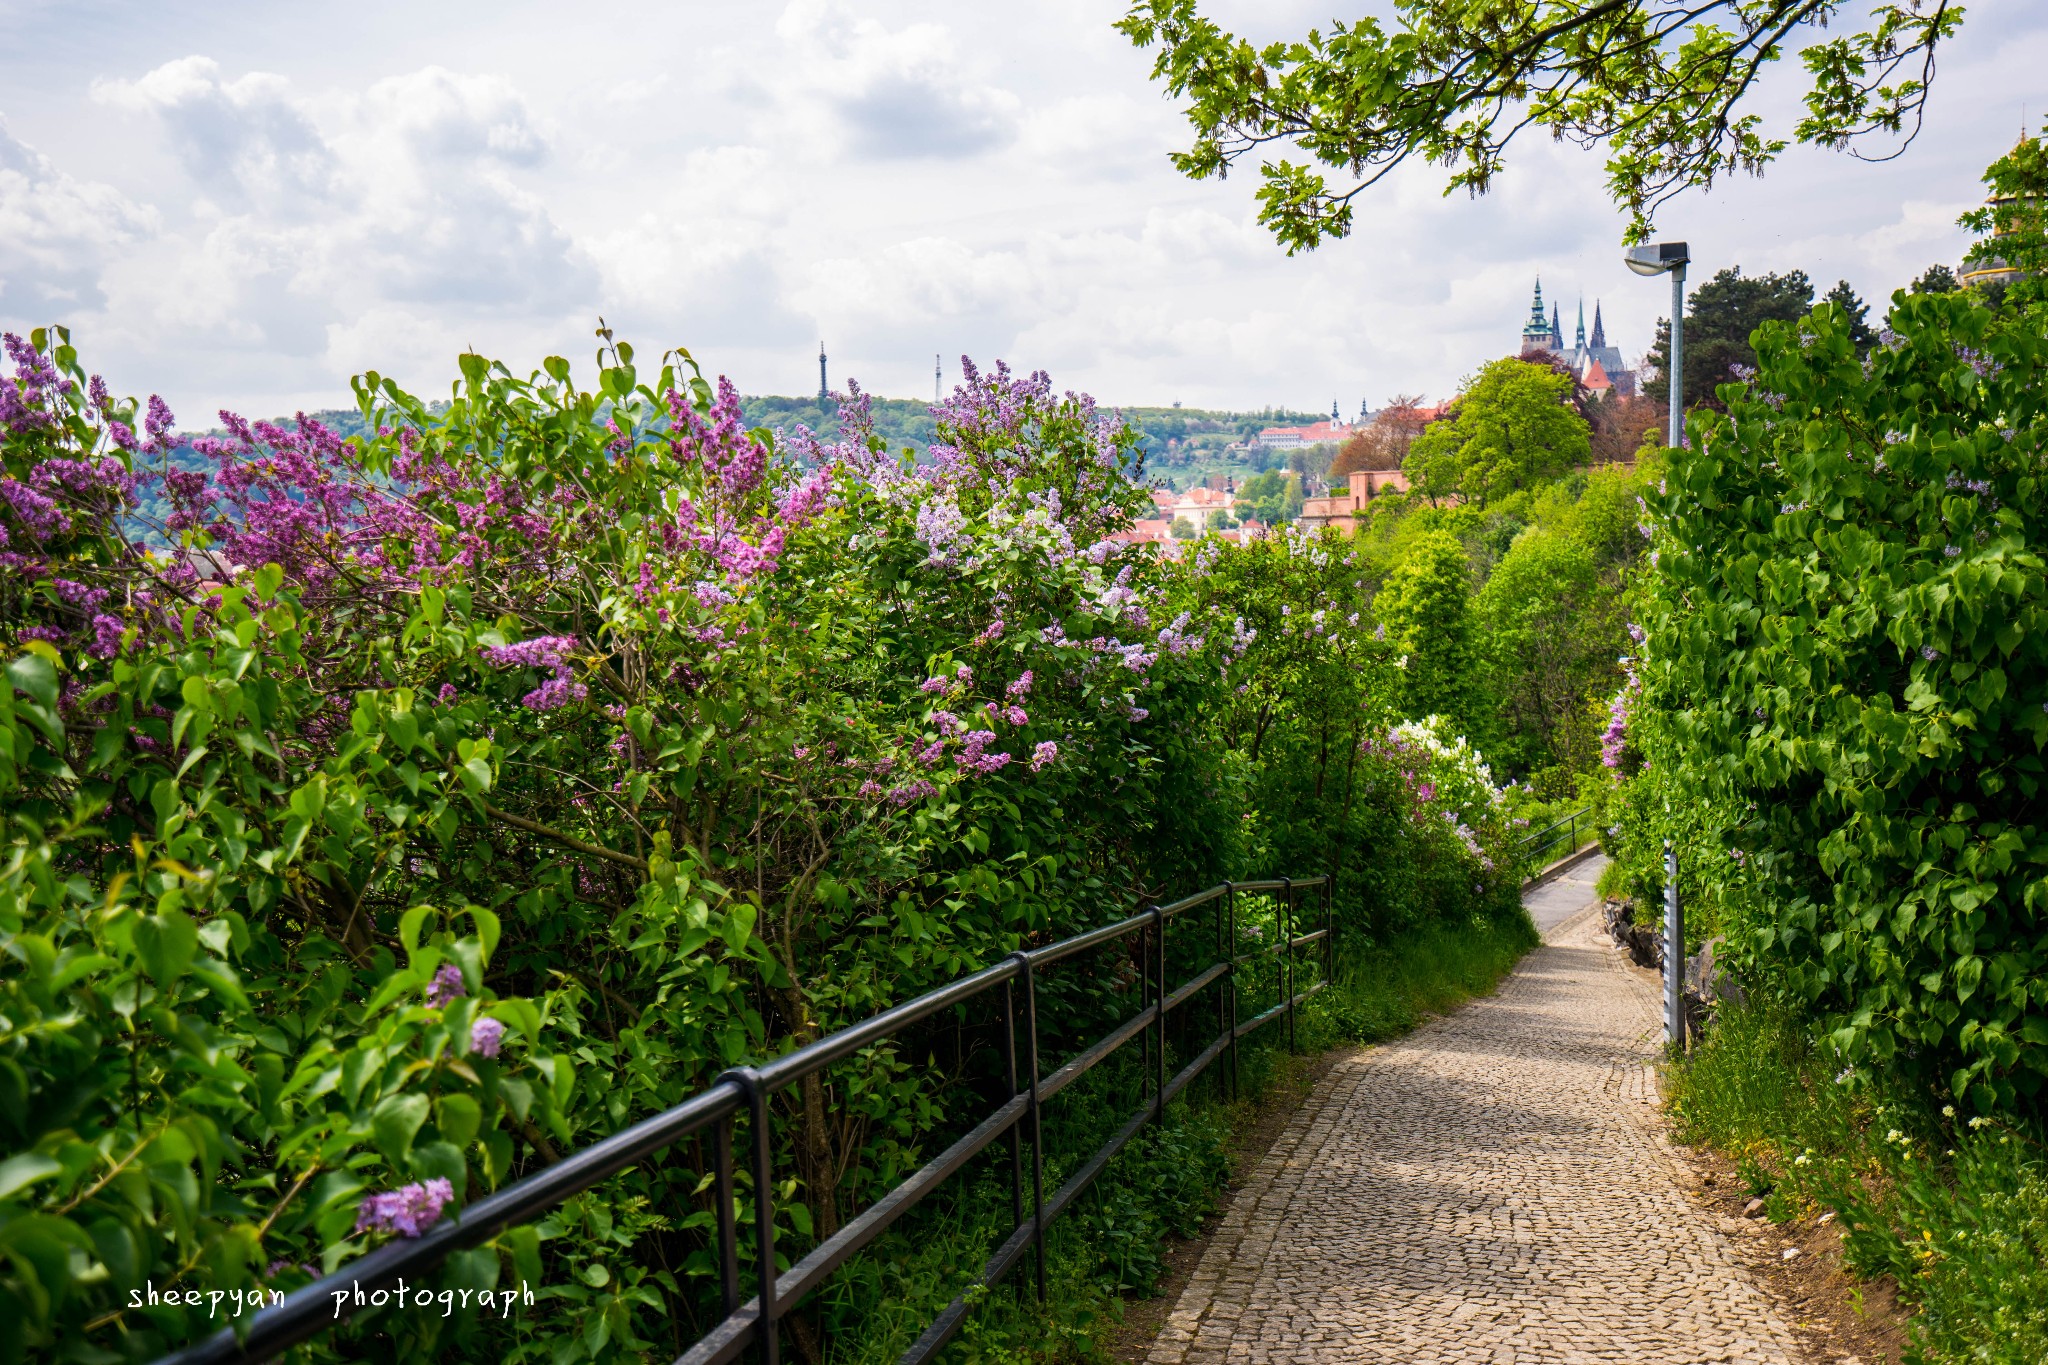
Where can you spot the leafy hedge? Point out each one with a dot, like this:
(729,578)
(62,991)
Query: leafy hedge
(1844,689)
(404,811)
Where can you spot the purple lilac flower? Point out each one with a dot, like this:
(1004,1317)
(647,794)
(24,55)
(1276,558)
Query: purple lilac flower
(157,424)
(447,694)
(106,636)
(446,985)
(408,1210)
(486,1036)
(903,796)
(1019,688)
(1929,653)
(934,685)
(549,652)
(1046,751)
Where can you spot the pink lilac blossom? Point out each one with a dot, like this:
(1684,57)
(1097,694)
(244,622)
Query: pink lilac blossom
(904,795)
(1020,688)
(446,985)
(486,1036)
(1176,639)
(408,1211)
(972,759)
(1043,753)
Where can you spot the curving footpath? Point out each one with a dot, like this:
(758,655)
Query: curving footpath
(1494,1187)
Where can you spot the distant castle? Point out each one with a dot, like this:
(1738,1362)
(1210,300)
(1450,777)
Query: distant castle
(1597,365)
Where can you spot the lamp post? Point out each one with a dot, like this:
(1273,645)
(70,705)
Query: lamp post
(1670,258)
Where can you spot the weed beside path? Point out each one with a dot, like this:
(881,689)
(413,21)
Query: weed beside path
(1951,1211)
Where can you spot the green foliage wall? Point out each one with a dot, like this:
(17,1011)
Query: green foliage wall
(1844,683)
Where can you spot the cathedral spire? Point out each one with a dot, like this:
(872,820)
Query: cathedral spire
(1556,331)
(1599,328)
(1580,343)
(1536,332)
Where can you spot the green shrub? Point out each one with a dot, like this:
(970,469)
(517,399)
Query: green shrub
(1845,685)
(419,806)
(1954,1210)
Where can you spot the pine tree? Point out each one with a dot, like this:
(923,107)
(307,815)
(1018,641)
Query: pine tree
(1859,329)
(1936,279)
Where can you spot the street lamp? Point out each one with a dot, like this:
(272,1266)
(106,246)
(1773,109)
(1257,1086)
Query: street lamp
(1670,258)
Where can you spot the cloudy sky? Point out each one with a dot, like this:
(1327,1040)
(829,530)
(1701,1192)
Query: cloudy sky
(241,205)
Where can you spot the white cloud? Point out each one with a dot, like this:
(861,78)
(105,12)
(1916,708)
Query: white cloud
(895,178)
(57,234)
(887,93)
(402,205)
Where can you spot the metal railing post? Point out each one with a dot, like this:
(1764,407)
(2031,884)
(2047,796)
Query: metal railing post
(1159,1022)
(1145,999)
(764,1210)
(1016,1128)
(1037,1129)
(1674,952)
(728,1219)
(1230,977)
(1287,953)
(1330,929)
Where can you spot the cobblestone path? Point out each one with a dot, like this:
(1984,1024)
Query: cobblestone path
(1494,1187)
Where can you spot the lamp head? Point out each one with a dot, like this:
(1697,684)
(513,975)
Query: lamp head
(1658,258)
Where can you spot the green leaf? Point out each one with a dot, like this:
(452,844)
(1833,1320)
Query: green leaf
(34,677)
(19,1172)
(395,1122)
(166,944)
(458,1118)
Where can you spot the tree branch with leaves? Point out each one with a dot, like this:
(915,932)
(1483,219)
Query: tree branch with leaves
(1667,86)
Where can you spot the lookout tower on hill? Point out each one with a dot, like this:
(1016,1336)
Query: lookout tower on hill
(824,389)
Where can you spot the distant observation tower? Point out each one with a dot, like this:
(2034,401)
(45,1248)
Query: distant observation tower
(824,389)
(936,372)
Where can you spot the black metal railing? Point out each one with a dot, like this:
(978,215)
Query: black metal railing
(1555,840)
(749,1091)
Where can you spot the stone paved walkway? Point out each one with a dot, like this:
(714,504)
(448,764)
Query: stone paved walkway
(1494,1187)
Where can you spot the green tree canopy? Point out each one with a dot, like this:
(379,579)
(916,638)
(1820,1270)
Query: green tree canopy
(1666,85)
(1426,609)
(1270,497)
(1548,627)
(1718,321)
(1513,427)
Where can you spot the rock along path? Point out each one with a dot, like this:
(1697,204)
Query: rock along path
(1494,1187)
